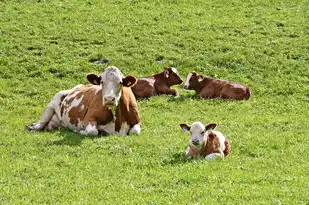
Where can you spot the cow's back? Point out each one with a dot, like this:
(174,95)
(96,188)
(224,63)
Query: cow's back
(144,87)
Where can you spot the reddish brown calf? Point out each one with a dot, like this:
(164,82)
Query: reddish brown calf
(215,88)
(206,142)
(157,84)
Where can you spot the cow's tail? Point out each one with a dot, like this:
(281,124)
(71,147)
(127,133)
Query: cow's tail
(227,147)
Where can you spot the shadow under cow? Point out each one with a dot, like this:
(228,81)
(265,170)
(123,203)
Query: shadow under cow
(71,138)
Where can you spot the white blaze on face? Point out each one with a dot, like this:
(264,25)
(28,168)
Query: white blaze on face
(111,85)
(197,130)
(188,80)
(174,70)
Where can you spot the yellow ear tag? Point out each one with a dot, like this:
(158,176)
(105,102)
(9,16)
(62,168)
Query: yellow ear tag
(129,83)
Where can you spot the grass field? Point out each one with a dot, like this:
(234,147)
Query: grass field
(47,46)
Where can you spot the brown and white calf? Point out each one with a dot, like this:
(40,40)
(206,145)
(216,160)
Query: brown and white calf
(108,105)
(206,87)
(206,142)
(157,84)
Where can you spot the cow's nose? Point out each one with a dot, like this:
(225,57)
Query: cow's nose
(185,87)
(109,99)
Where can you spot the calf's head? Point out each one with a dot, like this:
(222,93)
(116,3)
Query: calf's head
(172,76)
(198,132)
(112,82)
(193,79)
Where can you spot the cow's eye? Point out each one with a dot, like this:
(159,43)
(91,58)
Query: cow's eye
(203,132)
(120,82)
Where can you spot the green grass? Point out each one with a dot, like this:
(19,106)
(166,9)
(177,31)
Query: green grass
(47,46)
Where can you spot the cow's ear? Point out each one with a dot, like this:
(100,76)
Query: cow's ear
(210,126)
(94,79)
(129,81)
(184,127)
(166,73)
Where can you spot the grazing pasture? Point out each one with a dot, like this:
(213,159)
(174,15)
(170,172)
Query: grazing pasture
(51,45)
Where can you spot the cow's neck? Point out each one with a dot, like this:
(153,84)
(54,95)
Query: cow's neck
(161,77)
(199,86)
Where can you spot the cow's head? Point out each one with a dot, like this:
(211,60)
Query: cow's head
(111,81)
(193,79)
(198,132)
(172,76)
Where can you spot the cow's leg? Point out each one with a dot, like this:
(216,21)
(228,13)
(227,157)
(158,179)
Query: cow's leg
(91,129)
(54,123)
(52,108)
(168,91)
(136,129)
(164,89)
(109,128)
(215,155)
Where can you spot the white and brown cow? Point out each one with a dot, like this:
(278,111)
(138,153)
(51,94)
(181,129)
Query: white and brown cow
(206,142)
(108,105)
(206,87)
(157,84)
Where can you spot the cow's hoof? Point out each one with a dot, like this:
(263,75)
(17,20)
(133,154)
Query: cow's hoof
(32,127)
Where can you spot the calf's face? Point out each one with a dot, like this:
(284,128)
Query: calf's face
(111,81)
(198,132)
(192,80)
(172,76)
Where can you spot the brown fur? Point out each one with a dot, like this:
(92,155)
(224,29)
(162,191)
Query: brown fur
(216,88)
(156,84)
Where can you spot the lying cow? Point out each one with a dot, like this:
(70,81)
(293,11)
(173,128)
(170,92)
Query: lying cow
(214,88)
(157,84)
(108,105)
(206,142)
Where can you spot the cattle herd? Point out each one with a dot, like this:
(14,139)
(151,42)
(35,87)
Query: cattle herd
(108,106)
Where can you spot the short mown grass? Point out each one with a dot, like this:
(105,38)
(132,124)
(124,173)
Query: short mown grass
(50,45)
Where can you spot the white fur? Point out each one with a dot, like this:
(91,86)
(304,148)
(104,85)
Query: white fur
(186,85)
(213,156)
(111,87)
(174,70)
(136,129)
(197,129)
(90,130)
(188,150)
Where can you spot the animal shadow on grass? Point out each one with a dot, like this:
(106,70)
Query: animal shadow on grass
(72,138)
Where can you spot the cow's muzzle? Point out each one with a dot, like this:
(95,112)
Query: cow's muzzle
(109,100)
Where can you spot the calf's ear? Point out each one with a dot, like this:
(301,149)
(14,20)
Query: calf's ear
(184,127)
(166,73)
(94,79)
(129,81)
(210,126)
